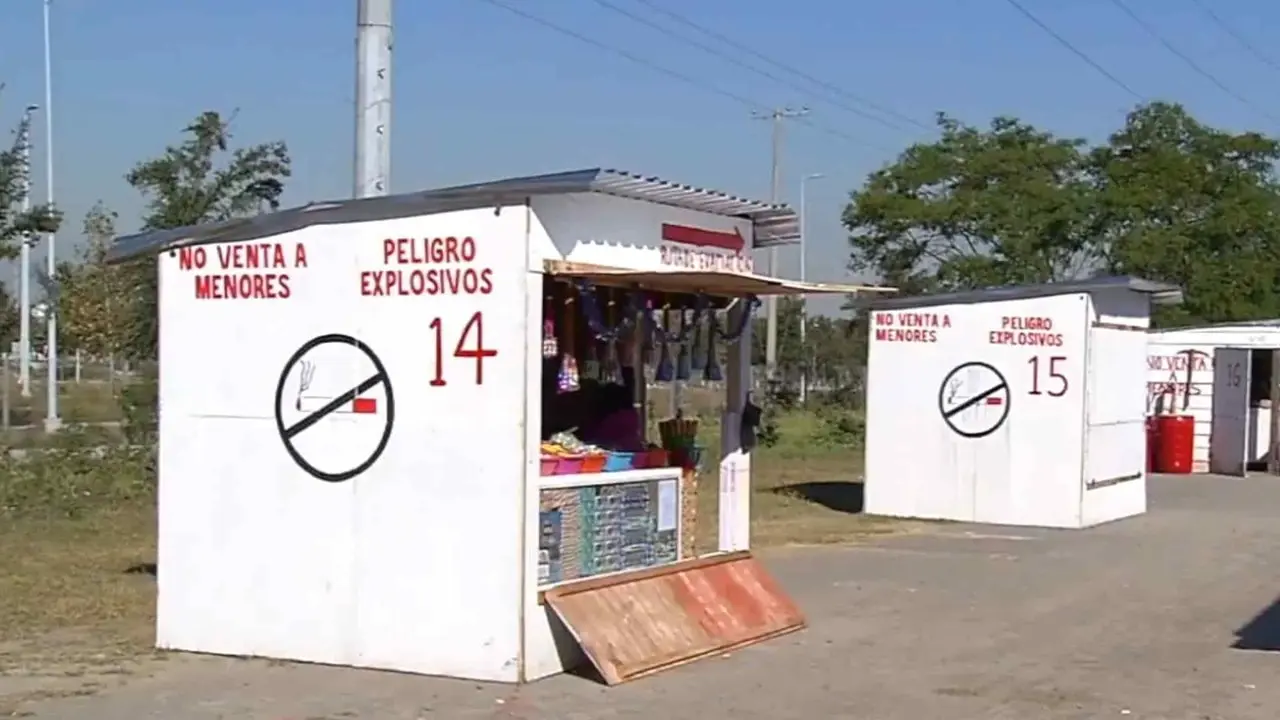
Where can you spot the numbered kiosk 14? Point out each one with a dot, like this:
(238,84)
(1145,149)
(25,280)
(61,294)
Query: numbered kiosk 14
(357,464)
(1014,406)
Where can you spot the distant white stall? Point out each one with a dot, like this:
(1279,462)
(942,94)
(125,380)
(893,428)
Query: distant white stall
(352,462)
(1017,406)
(1180,379)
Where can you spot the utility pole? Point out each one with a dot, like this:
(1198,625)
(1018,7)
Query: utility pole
(776,116)
(373,98)
(24,264)
(51,421)
(804,299)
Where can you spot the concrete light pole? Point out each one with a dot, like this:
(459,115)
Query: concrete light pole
(804,299)
(51,421)
(777,117)
(373,98)
(24,263)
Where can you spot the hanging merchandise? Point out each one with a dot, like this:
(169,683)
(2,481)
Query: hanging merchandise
(567,380)
(751,417)
(682,361)
(608,334)
(646,339)
(550,344)
(591,365)
(665,372)
(752,304)
(712,373)
(699,360)
(612,364)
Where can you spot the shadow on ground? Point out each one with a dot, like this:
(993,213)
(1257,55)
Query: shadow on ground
(141,569)
(845,497)
(1262,632)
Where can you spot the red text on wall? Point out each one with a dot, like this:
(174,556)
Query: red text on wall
(909,327)
(428,266)
(242,271)
(1019,330)
(470,346)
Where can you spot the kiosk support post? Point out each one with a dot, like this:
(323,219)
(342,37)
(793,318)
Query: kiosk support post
(735,463)
(1273,455)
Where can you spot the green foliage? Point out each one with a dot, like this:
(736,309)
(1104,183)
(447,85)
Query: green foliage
(1165,198)
(768,434)
(831,355)
(10,317)
(73,475)
(841,426)
(1183,202)
(139,403)
(95,300)
(976,208)
(200,180)
(16,224)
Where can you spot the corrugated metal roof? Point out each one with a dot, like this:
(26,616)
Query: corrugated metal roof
(774,224)
(1161,293)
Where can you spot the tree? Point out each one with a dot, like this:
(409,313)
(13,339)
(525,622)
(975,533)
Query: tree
(833,355)
(199,181)
(17,225)
(9,319)
(1185,203)
(95,300)
(1166,198)
(15,177)
(790,357)
(975,208)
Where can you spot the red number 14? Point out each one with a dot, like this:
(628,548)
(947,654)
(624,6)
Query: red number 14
(470,345)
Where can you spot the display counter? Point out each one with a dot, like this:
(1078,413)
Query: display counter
(594,524)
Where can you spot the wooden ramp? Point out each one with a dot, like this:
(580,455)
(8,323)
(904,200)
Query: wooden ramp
(639,623)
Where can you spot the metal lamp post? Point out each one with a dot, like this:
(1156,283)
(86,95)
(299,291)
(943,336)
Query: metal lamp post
(24,265)
(51,421)
(804,299)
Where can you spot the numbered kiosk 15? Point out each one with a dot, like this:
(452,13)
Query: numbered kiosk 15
(1020,405)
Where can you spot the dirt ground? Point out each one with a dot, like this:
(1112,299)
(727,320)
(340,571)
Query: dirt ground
(1141,618)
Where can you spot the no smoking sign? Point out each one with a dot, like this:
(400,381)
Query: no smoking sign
(974,400)
(334,407)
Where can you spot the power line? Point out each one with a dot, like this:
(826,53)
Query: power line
(1239,37)
(675,74)
(712,50)
(1186,59)
(1074,50)
(742,47)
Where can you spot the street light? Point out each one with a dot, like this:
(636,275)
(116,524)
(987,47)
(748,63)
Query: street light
(24,266)
(804,299)
(51,421)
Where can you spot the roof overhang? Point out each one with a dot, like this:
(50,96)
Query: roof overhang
(725,284)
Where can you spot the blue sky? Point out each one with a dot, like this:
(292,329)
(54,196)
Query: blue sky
(482,93)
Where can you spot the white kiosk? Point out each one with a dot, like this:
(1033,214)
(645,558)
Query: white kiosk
(350,468)
(1014,406)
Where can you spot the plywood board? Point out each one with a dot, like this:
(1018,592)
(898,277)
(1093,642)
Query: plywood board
(636,624)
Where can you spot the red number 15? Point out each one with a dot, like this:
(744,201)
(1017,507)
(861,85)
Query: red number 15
(473,331)
(1054,374)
